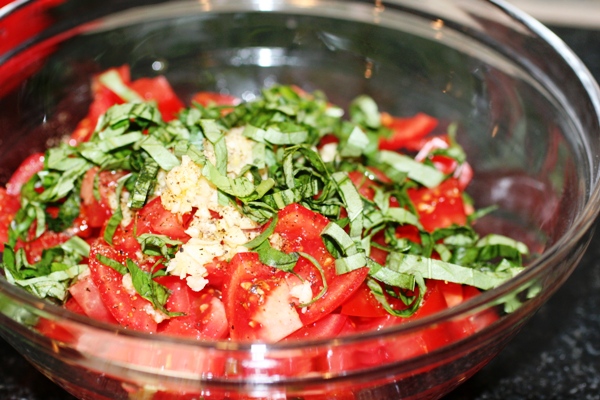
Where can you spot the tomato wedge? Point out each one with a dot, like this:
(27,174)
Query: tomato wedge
(9,205)
(406,132)
(301,230)
(204,314)
(154,218)
(29,167)
(159,89)
(88,297)
(441,206)
(257,301)
(130,310)
(96,212)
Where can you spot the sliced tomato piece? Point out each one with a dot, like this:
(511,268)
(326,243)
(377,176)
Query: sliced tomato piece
(452,292)
(300,229)
(362,303)
(364,185)
(257,301)
(72,305)
(441,206)
(54,330)
(87,295)
(154,218)
(482,319)
(214,98)
(125,242)
(204,314)
(34,248)
(329,326)
(130,310)
(102,99)
(9,205)
(406,132)
(96,212)
(444,164)
(159,89)
(218,273)
(29,167)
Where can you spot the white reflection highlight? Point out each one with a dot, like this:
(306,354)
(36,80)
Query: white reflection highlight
(265,57)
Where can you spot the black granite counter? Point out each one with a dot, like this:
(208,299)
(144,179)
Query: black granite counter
(556,355)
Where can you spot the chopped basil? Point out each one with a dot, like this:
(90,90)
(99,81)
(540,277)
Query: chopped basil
(158,245)
(52,275)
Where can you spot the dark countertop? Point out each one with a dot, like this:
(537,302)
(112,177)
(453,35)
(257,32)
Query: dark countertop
(556,355)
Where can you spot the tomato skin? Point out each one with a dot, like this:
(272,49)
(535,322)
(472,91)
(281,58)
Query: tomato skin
(482,319)
(9,205)
(154,218)
(301,230)
(159,90)
(127,309)
(97,212)
(213,98)
(29,167)
(54,331)
(329,326)
(204,313)
(406,132)
(257,302)
(34,248)
(439,207)
(362,303)
(87,295)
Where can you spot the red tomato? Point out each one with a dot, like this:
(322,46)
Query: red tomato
(29,167)
(154,218)
(124,241)
(72,305)
(128,309)
(87,295)
(364,185)
(158,89)
(204,313)
(444,164)
(54,330)
(406,132)
(97,212)
(102,99)
(217,270)
(441,206)
(362,303)
(481,319)
(301,230)
(9,205)
(329,326)
(213,98)
(35,247)
(257,301)
(453,292)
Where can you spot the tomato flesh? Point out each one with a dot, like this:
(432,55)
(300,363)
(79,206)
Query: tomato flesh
(129,309)
(257,301)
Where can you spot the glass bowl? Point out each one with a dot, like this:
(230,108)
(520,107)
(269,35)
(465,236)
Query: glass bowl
(527,114)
